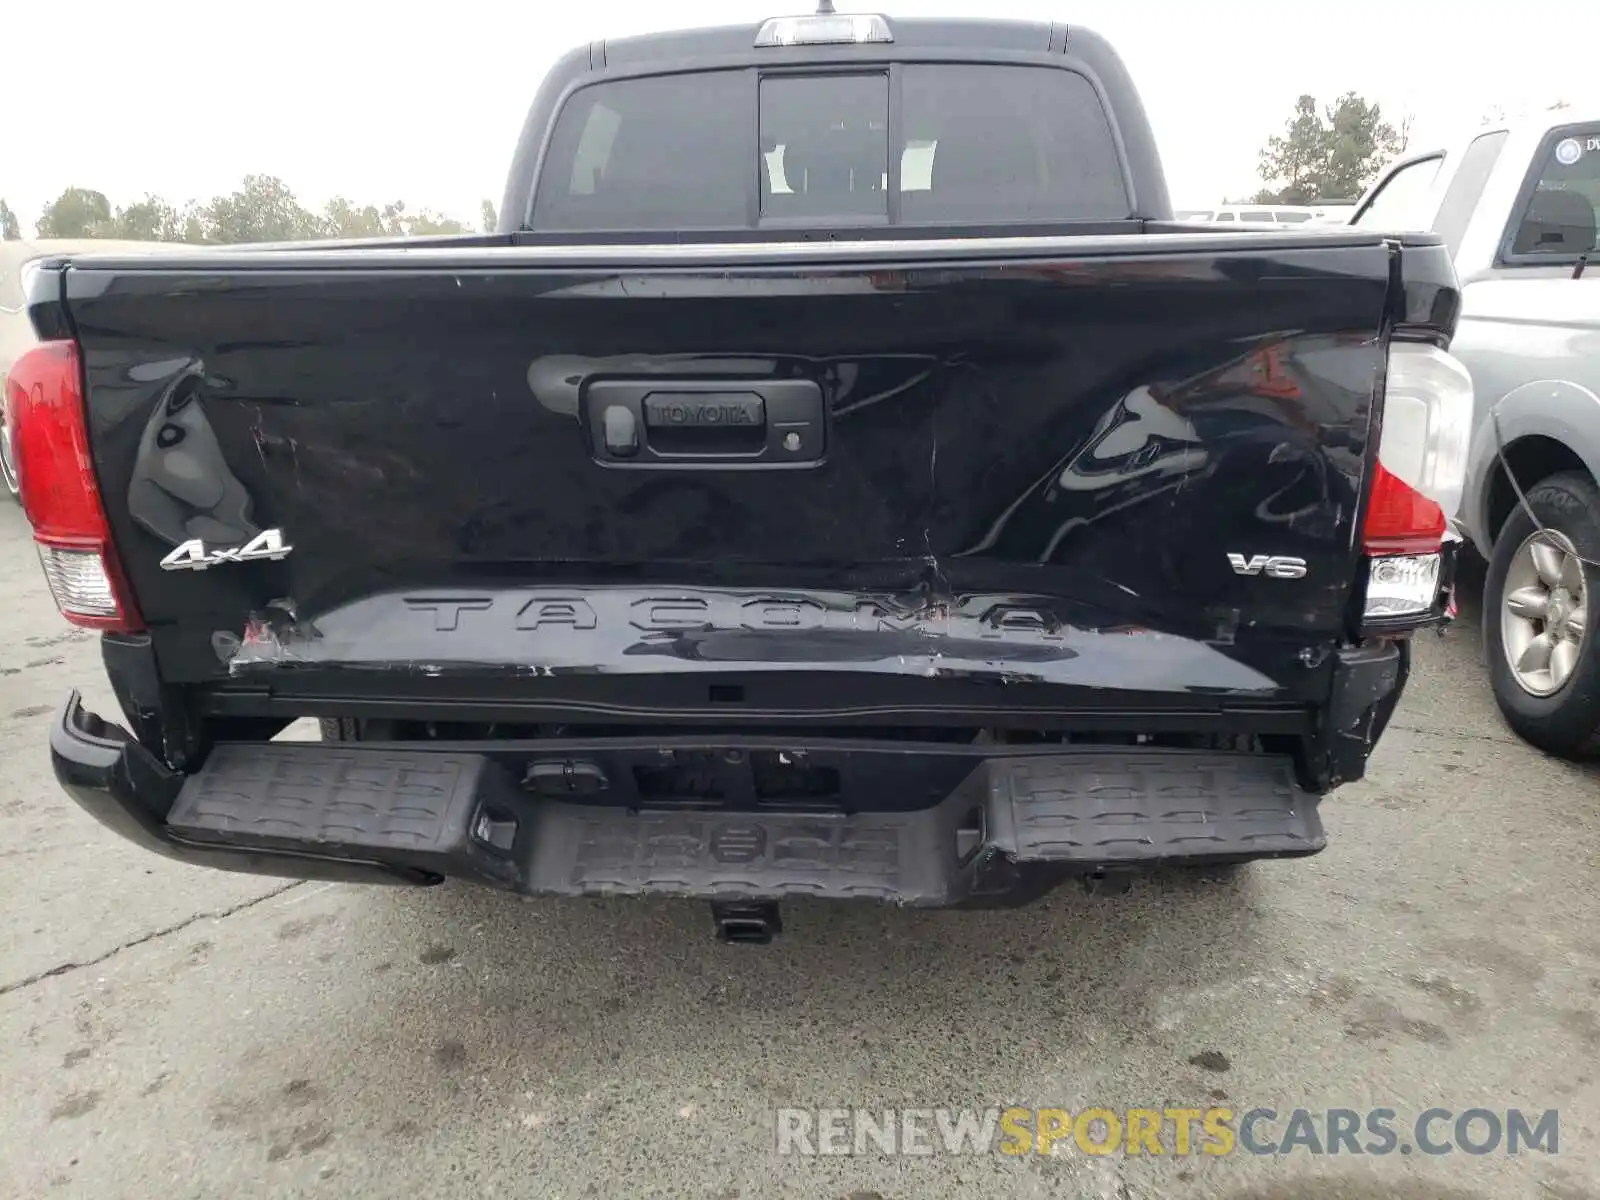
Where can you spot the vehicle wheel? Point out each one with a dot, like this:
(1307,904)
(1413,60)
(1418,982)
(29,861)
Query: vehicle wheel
(1542,660)
(8,470)
(338,729)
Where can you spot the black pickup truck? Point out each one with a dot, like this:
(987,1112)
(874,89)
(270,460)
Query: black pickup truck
(838,477)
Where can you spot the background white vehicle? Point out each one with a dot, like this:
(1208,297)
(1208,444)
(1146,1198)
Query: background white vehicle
(1518,205)
(1252,214)
(1332,214)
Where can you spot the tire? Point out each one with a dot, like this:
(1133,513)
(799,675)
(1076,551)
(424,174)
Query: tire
(1556,708)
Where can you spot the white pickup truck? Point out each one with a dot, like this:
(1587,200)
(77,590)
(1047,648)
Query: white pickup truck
(1516,204)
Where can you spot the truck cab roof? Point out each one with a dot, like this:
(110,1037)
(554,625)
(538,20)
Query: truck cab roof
(897,46)
(914,35)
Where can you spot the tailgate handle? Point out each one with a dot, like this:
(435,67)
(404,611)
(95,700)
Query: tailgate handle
(722,423)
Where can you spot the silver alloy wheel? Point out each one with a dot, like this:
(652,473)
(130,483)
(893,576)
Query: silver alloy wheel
(1544,613)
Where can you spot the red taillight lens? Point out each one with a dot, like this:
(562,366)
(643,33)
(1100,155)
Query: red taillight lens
(1400,519)
(60,495)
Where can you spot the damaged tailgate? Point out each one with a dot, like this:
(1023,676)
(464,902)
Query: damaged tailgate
(1112,463)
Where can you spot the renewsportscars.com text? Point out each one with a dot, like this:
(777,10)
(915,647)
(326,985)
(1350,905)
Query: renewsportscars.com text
(1170,1131)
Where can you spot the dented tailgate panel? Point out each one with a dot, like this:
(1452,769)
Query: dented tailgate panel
(987,466)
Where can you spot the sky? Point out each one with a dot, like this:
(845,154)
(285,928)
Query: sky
(379,102)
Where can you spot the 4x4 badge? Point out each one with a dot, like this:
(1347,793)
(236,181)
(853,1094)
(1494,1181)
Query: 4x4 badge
(193,555)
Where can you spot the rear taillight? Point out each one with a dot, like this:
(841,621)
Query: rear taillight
(50,447)
(1422,465)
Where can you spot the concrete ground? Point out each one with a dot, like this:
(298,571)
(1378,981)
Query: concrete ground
(168,1031)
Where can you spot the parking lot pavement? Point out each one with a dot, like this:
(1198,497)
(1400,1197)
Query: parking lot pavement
(171,1031)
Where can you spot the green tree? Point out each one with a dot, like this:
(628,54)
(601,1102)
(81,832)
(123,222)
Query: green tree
(194,223)
(263,209)
(10,227)
(490,217)
(1291,160)
(1360,143)
(425,222)
(342,219)
(76,213)
(154,220)
(1328,154)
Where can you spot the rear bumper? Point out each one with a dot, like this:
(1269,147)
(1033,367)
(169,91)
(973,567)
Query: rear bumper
(574,819)
(124,787)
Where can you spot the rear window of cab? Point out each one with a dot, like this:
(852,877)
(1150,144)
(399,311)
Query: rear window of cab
(917,143)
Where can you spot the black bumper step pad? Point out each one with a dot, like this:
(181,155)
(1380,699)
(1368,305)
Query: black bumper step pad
(428,810)
(1109,807)
(463,815)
